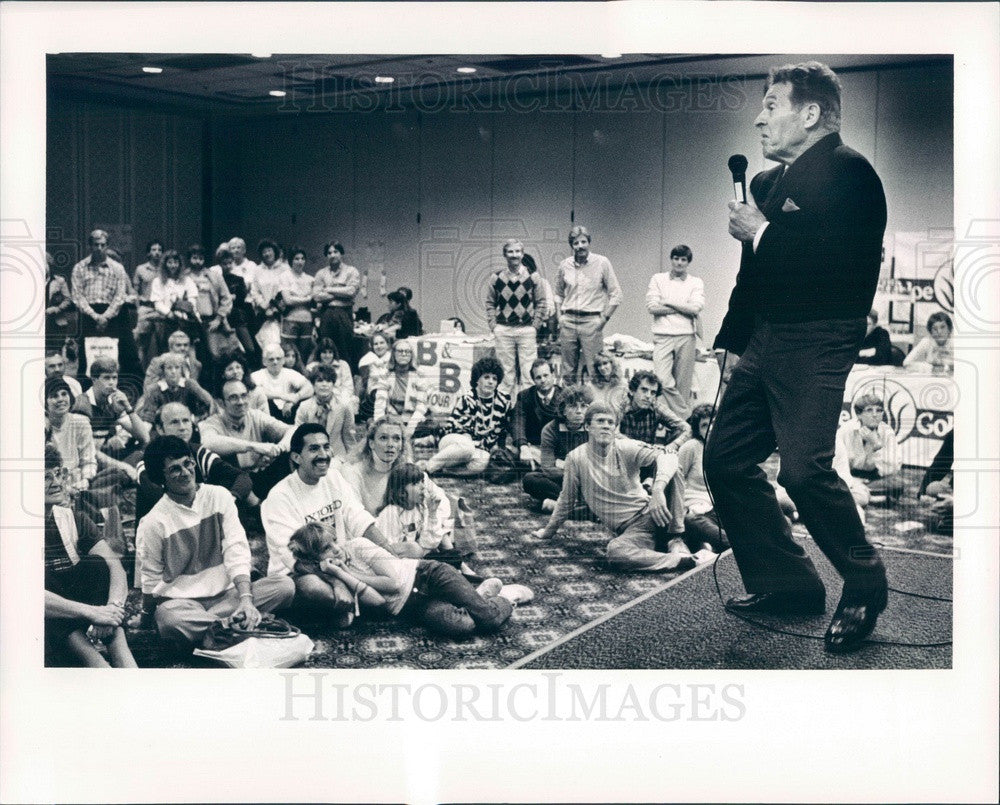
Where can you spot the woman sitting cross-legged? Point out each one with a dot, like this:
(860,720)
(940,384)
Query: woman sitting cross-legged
(476,425)
(431,594)
(85,583)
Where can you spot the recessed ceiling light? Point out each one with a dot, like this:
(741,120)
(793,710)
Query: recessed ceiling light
(384,79)
(611,55)
(277,93)
(153,70)
(466,70)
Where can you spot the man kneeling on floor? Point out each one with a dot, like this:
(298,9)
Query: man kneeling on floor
(194,554)
(604,472)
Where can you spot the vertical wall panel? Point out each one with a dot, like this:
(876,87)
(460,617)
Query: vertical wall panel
(387,232)
(456,209)
(619,181)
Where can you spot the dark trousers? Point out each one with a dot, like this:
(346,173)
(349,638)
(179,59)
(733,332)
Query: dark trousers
(338,323)
(130,370)
(702,528)
(787,392)
(445,602)
(543,484)
(264,480)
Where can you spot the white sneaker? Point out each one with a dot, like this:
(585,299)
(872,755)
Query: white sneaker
(548,505)
(704,556)
(517,594)
(490,588)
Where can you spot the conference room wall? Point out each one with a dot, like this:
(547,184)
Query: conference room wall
(642,181)
(135,171)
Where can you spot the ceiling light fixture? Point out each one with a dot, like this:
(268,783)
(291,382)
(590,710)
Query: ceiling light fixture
(277,93)
(466,70)
(384,79)
(153,70)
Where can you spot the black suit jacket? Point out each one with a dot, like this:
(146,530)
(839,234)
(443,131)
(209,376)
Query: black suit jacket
(820,254)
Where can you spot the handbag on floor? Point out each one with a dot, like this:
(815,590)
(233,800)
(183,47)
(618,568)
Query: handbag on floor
(273,644)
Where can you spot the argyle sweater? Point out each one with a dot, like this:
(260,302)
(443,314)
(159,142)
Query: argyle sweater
(512,301)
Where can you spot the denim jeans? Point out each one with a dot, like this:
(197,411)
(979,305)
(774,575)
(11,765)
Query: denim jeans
(445,602)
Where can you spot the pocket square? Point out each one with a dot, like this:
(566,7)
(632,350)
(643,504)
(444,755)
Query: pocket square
(789,206)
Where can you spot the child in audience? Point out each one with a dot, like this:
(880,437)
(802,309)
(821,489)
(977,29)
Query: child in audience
(326,352)
(432,594)
(702,528)
(173,386)
(416,515)
(325,409)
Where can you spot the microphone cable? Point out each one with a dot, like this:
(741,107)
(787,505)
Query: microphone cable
(768,627)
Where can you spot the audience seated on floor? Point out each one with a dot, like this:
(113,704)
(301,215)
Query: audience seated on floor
(314,492)
(174,387)
(178,343)
(257,441)
(604,473)
(605,381)
(534,408)
(327,354)
(558,439)
(85,583)
(285,388)
(476,425)
(175,419)
(871,448)
(193,554)
(432,594)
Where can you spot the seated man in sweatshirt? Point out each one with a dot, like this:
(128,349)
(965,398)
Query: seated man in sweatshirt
(314,492)
(534,409)
(194,555)
(604,473)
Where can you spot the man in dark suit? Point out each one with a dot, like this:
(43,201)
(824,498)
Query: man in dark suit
(812,239)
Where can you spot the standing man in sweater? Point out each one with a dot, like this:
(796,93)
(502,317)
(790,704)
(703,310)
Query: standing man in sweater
(811,234)
(194,554)
(514,312)
(675,299)
(587,295)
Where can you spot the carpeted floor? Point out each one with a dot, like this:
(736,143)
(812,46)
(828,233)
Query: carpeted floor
(685,626)
(572,585)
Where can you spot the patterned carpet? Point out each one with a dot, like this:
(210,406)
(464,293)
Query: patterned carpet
(572,586)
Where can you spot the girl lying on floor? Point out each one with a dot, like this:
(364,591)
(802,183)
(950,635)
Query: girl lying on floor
(430,593)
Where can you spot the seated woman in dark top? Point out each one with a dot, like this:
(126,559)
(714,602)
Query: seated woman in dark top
(402,320)
(85,583)
(876,349)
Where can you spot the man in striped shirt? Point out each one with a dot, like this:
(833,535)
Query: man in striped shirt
(194,555)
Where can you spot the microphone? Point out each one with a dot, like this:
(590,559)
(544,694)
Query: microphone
(738,167)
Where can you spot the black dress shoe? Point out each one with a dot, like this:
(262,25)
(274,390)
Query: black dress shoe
(778,604)
(852,623)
